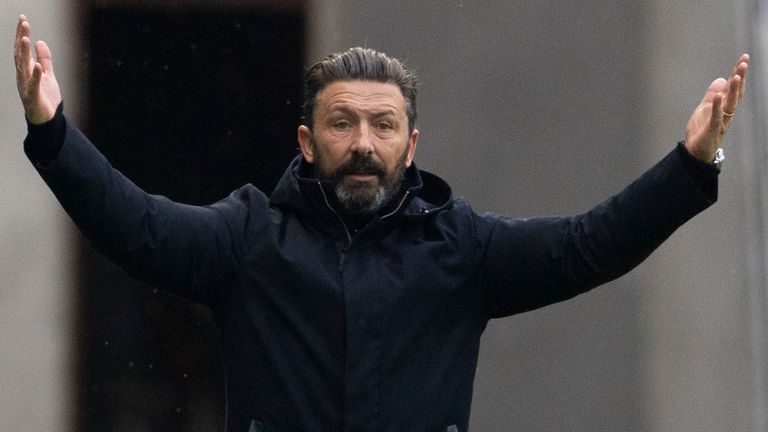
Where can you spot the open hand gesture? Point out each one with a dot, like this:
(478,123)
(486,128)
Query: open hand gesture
(714,115)
(35,80)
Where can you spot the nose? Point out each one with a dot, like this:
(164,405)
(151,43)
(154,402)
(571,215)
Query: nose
(363,141)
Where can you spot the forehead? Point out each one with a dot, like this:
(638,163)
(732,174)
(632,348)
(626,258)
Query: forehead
(363,96)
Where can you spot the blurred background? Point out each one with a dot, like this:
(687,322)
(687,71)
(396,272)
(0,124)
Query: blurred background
(526,108)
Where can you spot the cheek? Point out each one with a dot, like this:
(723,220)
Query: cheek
(328,156)
(399,154)
(326,160)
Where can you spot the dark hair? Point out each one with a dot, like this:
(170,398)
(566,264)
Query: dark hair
(359,64)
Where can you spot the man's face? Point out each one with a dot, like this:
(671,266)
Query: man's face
(360,142)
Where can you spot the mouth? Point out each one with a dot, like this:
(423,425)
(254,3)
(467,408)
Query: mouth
(361,170)
(361,176)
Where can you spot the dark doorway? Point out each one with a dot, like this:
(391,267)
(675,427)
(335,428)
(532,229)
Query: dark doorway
(191,105)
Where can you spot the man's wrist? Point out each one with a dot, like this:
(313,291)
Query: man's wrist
(44,141)
(694,166)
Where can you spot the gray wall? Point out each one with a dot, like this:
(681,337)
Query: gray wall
(548,107)
(36,245)
(704,292)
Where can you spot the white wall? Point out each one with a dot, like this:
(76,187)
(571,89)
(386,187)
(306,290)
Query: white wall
(37,387)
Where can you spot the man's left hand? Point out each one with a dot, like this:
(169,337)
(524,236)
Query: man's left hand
(714,115)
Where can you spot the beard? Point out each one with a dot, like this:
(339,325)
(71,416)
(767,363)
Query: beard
(360,198)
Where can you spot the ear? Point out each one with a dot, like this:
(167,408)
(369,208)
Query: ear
(305,143)
(412,141)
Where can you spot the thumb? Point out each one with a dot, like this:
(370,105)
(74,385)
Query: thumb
(34,85)
(44,56)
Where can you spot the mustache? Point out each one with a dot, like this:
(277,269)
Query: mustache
(361,165)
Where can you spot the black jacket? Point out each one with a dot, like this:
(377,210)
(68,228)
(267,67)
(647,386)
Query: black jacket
(323,329)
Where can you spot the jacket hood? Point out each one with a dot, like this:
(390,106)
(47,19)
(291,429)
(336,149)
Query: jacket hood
(298,190)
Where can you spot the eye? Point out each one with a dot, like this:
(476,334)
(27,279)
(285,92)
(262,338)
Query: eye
(342,125)
(384,126)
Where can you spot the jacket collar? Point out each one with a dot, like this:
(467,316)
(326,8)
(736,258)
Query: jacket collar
(424,193)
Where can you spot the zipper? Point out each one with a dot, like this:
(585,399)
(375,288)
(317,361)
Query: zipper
(397,209)
(341,221)
(344,225)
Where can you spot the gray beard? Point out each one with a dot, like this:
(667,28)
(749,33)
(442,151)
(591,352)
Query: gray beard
(362,199)
(359,203)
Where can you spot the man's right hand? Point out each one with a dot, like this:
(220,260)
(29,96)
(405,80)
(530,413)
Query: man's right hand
(35,80)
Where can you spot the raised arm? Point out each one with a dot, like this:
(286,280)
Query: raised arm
(187,250)
(535,262)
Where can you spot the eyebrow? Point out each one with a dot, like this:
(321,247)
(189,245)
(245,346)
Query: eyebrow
(375,114)
(384,113)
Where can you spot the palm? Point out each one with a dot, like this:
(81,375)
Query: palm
(35,80)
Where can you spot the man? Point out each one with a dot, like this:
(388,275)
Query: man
(354,297)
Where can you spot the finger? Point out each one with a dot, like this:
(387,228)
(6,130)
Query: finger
(716,116)
(741,69)
(717,86)
(744,58)
(25,63)
(22,32)
(731,99)
(19,34)
(22,29)
(743,75)
(24,44)
(44,56)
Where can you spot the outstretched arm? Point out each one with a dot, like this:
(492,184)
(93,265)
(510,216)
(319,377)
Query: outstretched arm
(187,250)
(535,262)
(714,115)
(35,80)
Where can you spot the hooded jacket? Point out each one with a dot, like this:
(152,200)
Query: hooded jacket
(327,329)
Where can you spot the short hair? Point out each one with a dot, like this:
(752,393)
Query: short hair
(359,64)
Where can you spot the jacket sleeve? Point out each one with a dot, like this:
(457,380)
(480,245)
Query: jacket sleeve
(530,263)
(186,250)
